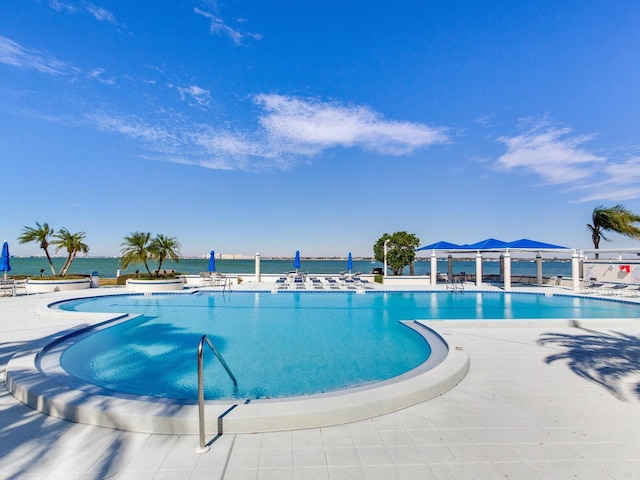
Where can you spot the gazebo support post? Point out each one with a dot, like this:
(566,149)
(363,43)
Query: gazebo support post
(507,271)
(575,271)
(434,268)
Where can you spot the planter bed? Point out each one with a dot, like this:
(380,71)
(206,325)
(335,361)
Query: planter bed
(159,285)
(44,286)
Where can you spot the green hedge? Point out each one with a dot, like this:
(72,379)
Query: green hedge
(122,279)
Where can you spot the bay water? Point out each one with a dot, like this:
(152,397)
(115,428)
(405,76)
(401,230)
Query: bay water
(108,267)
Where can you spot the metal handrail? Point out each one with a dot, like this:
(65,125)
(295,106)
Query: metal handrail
(454,284)
(203,447)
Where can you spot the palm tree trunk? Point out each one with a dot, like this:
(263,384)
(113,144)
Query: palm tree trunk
(67,263)
(63,270)
(160,260)
(53,270)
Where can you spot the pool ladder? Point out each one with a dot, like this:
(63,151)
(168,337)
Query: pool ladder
(203,446)
(455,285)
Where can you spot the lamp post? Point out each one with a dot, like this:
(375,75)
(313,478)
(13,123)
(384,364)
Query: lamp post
(384,272)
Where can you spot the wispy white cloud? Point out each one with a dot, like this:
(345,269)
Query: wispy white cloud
(560,157)
(18,56)
(553,153)
(195,95)
(616,182)
(218,26)
(290,130)
(62,6)
(308,127)
(101,14)
(99,74)
(11,53)
(133,127)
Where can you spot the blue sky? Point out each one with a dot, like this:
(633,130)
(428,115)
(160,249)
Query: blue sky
(253,126)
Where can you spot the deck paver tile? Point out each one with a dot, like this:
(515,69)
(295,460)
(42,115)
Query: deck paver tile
(415,472)
(451,471)
(407,455)
(425,437)
(342,457)
(374,456)
(307,439)
(396,438)
(346,473)
(277,440)
(276,458)
(380,472)
(241,474)
(244,458)
(275,474)
(437,454)
(333,437)
(309,457)
(247,440)
(311,473)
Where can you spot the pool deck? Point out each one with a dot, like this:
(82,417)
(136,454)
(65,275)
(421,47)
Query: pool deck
(541,400)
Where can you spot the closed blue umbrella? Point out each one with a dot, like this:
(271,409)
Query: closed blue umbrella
(212,261)
(5,265)
(349,263)
(296,260)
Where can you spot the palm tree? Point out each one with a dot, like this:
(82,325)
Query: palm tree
(615,219)
(135,249)
(162,247)
(40,235)
(74,244)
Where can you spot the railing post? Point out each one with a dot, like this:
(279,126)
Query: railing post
(203,447)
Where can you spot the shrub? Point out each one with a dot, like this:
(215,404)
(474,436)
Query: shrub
(122,279)
(378,278)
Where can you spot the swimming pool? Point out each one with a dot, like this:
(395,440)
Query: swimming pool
(286,344)
(276,345)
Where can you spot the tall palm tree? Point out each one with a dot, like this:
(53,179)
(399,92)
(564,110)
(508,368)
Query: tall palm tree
(135,249)
(615,219)
(162,247)
(74,244)
(41,235)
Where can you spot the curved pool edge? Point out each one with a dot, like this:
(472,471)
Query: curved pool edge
(29,384)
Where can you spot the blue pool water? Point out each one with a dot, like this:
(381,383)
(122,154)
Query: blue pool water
(285,344)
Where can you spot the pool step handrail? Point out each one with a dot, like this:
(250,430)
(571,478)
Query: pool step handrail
(454,284)
(203,446)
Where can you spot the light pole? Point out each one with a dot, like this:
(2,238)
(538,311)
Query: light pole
(384,272)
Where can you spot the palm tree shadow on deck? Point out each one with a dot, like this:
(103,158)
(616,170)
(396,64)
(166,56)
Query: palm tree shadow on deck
(606,359)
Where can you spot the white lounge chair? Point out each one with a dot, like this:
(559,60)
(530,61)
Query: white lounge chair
(8,287)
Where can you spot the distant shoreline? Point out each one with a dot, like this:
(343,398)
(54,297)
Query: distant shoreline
(307,259)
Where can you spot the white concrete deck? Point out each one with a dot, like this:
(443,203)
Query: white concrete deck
(541,400)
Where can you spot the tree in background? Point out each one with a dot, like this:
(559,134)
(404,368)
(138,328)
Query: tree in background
(163,247)
(135,249)
(401,250)
(41,235)
(73,243)
(615,219)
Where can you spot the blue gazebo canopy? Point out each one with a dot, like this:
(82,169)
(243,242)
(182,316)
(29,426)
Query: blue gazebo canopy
(494,244)
(442,245)
(533,244)
(488,244)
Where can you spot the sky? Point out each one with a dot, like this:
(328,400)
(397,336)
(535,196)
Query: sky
(250,126)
